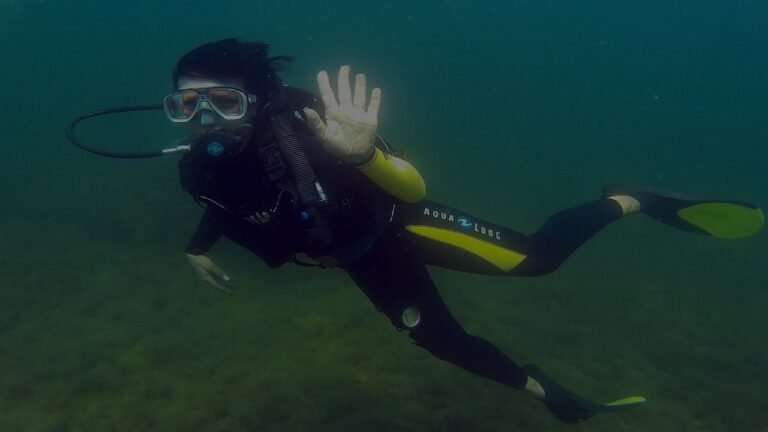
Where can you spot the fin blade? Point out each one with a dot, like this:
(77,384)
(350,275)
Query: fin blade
(724,219)
(626,403)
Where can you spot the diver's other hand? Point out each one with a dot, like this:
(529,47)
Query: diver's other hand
(349,131)
(210,272)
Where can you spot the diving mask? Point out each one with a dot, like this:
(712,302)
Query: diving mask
(229,103)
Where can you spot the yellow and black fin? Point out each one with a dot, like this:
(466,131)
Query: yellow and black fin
(714,217)
(569,407)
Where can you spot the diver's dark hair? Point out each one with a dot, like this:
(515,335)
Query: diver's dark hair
(232,59)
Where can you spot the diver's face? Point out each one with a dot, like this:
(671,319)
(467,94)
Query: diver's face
(206,119)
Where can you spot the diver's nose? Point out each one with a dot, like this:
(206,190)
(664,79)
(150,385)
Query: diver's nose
(206,117)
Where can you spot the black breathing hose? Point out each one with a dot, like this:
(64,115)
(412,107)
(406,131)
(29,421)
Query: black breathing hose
(118,155)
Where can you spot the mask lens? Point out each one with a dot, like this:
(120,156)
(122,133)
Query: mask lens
(230,103)
(181,105)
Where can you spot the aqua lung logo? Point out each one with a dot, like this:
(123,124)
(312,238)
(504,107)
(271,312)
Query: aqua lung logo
(464,222)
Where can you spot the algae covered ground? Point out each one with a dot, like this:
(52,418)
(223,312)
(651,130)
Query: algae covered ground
(510,110)
(104,327)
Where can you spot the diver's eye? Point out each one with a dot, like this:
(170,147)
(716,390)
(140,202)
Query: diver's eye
(227,101)
(189,101)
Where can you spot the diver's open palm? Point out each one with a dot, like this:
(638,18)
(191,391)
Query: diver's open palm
(349,131)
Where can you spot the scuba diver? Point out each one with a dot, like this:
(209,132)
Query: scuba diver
(294,178)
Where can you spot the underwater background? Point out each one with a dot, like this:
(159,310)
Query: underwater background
(510,110)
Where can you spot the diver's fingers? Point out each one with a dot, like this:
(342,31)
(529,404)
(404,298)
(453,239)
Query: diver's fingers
(326,92)
(220,275)
(224,280)
(216,271)
(345,92)
(373,106)
(315,123)
(359,96)
(212,280)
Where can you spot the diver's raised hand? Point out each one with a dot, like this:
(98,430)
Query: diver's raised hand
(210,272)
(349,131)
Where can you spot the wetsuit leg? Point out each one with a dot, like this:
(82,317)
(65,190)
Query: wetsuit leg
(453,239)
(397,282)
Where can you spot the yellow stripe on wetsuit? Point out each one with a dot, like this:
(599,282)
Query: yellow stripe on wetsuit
(503,259)
(396,176)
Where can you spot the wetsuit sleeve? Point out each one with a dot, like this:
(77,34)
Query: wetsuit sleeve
(207,233)
(396,176)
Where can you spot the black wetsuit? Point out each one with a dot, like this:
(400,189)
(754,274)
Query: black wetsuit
(244,205)
(394,275)
(373,244)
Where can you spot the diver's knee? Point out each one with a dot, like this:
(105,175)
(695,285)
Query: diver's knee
(403,318)
(432,330)
(435,335)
